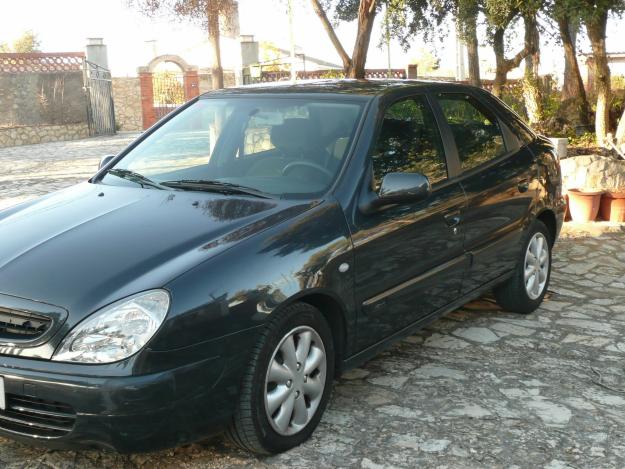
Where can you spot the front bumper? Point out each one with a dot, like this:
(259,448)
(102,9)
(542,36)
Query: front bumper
(67,406)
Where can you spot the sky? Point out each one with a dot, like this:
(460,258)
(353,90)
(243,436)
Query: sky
(64,25)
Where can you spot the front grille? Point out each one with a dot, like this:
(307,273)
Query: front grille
(20,326)
(36,417)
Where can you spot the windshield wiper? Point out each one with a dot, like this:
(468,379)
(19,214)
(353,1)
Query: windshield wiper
(136,178)
(215,186)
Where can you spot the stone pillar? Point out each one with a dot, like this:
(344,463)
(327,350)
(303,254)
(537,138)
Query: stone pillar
(561,145)
(96,52)
(411,71)
(249,51)
(147,98)
(191,84)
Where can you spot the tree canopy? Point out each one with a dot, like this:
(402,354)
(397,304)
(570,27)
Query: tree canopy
(26,42)
(210,14)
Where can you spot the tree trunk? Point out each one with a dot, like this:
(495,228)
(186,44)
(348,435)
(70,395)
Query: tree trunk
(366,17)
(470,34)
(347,61)
(574,103)
(355,66)
(620,131)
(531,83)
(503,65)
(596,28)
(501,73)
(217,72)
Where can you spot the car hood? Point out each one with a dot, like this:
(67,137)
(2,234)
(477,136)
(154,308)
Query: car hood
(91,244)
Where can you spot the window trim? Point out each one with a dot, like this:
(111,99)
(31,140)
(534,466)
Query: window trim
(378,128)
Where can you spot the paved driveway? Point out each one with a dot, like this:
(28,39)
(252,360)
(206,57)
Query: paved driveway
(479,388)
(33,170)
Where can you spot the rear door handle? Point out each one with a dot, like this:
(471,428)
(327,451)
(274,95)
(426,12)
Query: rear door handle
(523,186)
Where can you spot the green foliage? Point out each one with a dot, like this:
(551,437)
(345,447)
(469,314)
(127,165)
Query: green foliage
(196,11)
(269,53)
(407,18)
(618,82)
(426,62)
(466,13)
(27,42)
(587,139)
(499,13)
(512,95)
(589,10)
(404,18)
(168,89)
(333,74)
(551,104)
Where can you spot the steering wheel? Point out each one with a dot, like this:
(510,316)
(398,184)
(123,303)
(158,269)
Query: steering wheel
(307,164)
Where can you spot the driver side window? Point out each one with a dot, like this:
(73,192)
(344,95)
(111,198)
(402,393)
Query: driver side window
(409,142)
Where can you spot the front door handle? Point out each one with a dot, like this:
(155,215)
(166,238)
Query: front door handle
(453,219)
(523,186)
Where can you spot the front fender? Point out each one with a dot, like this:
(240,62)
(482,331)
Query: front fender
(240,288)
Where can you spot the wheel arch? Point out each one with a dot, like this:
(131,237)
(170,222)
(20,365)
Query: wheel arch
(548,217)
(335,312)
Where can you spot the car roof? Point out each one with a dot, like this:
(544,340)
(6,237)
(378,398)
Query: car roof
(375,87)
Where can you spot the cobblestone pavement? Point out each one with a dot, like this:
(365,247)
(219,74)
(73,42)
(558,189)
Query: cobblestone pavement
(478,388)
(32,170)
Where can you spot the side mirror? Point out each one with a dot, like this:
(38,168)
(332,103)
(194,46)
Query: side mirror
(403,188)
(396,188)
(105,160)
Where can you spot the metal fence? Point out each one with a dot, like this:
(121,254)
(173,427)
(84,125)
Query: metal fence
(267,76)
(38,62)
(168,92)
(99,88)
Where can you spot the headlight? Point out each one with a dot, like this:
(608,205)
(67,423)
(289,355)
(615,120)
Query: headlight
(117,331)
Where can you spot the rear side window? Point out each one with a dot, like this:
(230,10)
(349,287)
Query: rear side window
(476,130)
(519,128)
(409,142)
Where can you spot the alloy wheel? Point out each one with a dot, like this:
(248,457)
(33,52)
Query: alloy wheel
(536,267)
(295,380)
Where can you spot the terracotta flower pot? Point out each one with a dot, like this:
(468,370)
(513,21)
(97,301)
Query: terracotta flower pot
(567,209)
(613,207)
(584,205)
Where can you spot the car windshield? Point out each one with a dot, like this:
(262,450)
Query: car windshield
(283,147)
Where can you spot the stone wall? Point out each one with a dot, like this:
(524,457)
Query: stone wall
(42,98)
(127,100)
(27,135)
(593,172)
(206,83)
(129,115)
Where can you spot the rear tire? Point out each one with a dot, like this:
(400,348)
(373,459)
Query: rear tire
(288,382)
(524,291)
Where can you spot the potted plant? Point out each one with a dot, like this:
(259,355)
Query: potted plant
(584,204)
(567,210)
(612,207)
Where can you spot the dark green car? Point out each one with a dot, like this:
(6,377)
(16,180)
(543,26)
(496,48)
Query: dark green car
(219,272)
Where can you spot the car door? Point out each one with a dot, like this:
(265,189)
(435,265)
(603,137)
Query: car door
(499,177)
(409,258)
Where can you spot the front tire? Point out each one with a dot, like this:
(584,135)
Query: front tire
(288,383)
(525,290)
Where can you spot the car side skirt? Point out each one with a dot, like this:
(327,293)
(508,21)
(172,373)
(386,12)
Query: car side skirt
(373,350)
